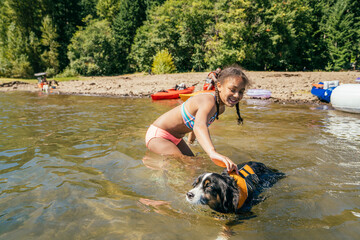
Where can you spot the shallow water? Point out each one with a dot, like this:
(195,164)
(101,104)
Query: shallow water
(71,167)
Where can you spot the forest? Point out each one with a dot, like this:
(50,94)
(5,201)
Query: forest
(111,37)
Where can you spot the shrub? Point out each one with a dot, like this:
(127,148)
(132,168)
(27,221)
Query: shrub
(50,72)
(22,67)
(68,72)
(92,51)
(163,63)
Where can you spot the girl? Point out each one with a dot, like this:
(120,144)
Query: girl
(165,135)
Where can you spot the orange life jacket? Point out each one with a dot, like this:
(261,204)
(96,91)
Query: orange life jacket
(206,85)
(215,73)
(241,182)
(209,80)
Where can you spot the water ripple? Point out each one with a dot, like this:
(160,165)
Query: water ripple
(72,167)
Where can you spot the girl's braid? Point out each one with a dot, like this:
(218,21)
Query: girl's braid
(240,120)
(217,101)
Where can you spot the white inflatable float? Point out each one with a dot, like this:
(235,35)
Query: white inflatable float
(346,98)
(258,93)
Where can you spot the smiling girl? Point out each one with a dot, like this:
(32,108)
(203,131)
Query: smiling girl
(195,115)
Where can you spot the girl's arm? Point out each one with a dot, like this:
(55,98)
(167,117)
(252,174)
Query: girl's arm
(213,77)
(191,137)
(203,136)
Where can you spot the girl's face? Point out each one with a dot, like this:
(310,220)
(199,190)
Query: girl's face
(231,91)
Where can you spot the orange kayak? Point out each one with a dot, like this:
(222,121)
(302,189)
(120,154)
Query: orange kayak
(171,93)
(185,97)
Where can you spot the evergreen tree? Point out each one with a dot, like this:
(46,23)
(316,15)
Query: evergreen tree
(355,41)
(33,52)
(4,21)
(26,14)
(17,60)
(88,7)
(130,17)
(48,40)
(339,30)
(67,16)
(4,24)
(107,9)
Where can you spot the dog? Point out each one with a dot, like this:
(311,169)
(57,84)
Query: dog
(233,193)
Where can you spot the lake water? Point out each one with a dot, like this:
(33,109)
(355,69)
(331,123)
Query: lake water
(72,167)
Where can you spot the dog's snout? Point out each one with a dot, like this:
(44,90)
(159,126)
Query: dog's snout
(190,195)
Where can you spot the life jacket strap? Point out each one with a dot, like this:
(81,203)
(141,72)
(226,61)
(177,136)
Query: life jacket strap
(244,172)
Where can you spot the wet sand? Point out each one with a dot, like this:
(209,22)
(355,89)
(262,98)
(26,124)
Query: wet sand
(292,87)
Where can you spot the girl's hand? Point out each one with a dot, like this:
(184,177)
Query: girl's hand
(224,161)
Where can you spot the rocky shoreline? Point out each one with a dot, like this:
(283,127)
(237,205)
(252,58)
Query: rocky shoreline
(286,87)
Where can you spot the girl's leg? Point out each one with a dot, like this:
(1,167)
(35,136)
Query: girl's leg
(163,146)
(166,147)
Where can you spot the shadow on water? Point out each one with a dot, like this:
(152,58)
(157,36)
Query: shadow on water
(77,167)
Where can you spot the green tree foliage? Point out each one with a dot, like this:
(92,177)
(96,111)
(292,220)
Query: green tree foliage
(4,21)
(202,34)
(226,44)
(163,63)
(131,15)
(341,33)
(67,16)
(28,17)
(193,30)
(15,59)
(108,9)
(290,33)
(356,38)
(179,26)
(26,14)
(88,7)
(117,36)
(91,51)
(48,40)
(261,35)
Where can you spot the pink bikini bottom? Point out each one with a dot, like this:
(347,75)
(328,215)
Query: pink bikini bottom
(154,132)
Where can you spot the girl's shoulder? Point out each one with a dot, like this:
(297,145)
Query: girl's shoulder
(202,99)
(204,96)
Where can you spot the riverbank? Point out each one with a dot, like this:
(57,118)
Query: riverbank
(285,86)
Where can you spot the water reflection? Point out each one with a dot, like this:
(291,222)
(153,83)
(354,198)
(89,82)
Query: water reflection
(77,167)
(343,125)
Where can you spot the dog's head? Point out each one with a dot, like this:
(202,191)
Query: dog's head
(217,191)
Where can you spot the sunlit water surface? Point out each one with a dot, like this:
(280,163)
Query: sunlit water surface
(71,167)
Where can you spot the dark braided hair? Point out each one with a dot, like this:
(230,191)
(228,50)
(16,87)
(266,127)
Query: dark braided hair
(217,102)
(232,71)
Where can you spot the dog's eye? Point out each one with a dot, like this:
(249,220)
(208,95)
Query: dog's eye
(207,183)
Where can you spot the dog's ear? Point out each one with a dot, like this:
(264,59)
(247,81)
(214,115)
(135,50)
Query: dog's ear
(230,194)
(197,180)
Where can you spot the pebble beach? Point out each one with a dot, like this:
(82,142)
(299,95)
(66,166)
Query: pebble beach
(286,87)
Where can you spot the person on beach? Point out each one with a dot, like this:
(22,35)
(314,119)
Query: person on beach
(45,85)
(165,135)
(211,80)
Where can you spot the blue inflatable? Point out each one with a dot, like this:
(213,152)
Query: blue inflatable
(322,94)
